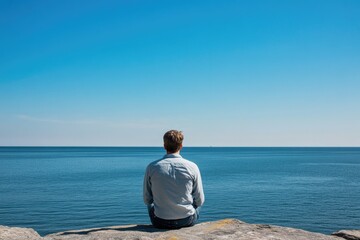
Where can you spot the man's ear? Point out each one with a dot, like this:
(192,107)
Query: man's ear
(181,146)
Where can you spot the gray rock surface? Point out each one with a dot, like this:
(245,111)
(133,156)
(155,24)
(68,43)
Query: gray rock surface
(223,230)
(348,234)
(15,233)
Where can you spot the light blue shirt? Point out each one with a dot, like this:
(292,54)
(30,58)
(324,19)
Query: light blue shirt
(173,184)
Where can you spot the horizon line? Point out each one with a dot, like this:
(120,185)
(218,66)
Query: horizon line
(207,146)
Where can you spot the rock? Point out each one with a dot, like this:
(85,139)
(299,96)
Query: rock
(223,229)
(348,234)
(16,233)
(227,229)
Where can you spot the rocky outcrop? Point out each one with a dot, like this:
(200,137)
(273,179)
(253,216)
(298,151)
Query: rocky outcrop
(223,229)
(348,234)
(15,233)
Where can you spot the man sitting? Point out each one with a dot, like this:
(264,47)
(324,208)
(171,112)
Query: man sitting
(173,188)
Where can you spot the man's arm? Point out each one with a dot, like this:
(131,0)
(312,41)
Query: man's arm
(198,192)
(147,193)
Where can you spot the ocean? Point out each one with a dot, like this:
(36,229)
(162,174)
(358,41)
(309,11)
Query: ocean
(54,189)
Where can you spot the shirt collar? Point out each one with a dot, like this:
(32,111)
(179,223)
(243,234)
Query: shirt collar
(172,155)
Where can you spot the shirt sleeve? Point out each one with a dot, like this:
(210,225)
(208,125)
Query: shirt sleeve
(198,191)
(147,193)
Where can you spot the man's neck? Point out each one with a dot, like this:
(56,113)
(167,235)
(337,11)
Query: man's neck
(178,152)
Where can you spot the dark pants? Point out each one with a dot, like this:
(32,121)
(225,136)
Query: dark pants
(172,224)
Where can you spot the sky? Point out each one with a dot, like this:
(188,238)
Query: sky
(226,73)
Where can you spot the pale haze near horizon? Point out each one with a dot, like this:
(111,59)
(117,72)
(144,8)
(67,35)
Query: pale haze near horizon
(236,73)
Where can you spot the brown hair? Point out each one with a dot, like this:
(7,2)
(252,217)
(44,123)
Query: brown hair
(173,140)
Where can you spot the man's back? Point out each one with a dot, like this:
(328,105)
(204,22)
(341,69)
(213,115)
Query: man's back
(175,187)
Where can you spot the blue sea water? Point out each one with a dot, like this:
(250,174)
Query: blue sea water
(54,189)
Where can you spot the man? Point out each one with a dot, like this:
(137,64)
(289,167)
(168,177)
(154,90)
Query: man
(173,188)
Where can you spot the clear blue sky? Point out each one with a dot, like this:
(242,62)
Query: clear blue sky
(227,73)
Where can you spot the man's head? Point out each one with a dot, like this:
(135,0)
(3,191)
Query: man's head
(173,141)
